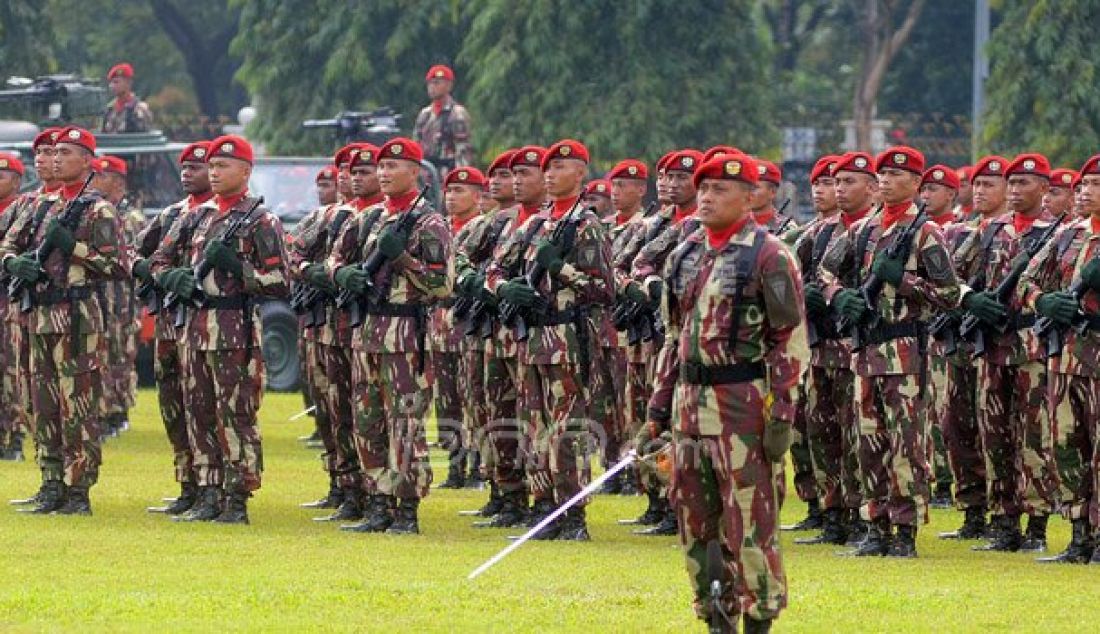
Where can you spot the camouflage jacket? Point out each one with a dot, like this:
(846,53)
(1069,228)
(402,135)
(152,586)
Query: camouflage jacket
(769,329)
(145,245)
(444,334)
(25,203)
(78,279)
(310,242)
(420,277)
(928,284)
(1055,268)
(624,237)
(445,137)
(954,235)
(121,301)
(133,116)
(583,282)
(262,251)
(991,265)
(474,253)
(834,349)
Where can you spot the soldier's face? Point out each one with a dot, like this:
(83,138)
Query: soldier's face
(602,204)
(966,191)
(563,177)
(120,86)
(112,185)
(396,177)
(9,184)
(989,194)
(343,181)
(1058,200)
(681,190)
(501,188)
(1025,192)
(326,191)
(228,176)
(438,88)
(364,181)
(723,202)
(823,194)
(461,200)
(528,184)
(897,185)
(938,197)
(1090,195)
(627,193)
(854,191)
(763,196)
(663,195)
(43,162)
(70,162)
(1078,202)
(194,177)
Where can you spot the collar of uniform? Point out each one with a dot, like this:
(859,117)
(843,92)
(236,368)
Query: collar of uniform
(225,203)
(851,219)
(891,214)
(194,200)
(620,219)
(943,219)
(400,202)
(734,233)
(679,213)
(362,203)
(765,217)
(1022,223)
(561,206)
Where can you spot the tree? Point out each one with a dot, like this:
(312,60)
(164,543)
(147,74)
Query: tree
(1042,90)
(22,50)
(794,24)
(881,43)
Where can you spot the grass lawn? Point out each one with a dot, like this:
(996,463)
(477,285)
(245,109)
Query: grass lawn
(127,570)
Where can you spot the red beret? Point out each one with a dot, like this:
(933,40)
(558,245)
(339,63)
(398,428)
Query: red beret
(195,153)
(941,175)
(730,167)
(663,161)
(401,149)
(1035,164)
(501,162)
(565,149)
(343,155)
(628,168)
(823,167)
(11,163)
(440,71)
(76,136)
(769,172)
(111,164)
(362,154)
(719,149)
(231,146)
(465,176)
(901,157)
(1091,166)
(45,137)
(965,173)
(859,162)
(120,70)
(686,161)
(992,165)
(326,173)
(598,187)
(529,155)
(1062,177)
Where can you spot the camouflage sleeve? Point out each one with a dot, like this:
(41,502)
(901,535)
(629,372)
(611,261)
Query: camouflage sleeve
(302,242)
(1042,274)
(963,261)
(651,256)
(588,272)
(935,282)
(837,264)
(147,239)
(497,273)
(102,254)
(803,246)
(144,116)
(418,127)
(469,241)
(344,246)
(785,344)
(460,131)
(264,272)
(168,252)
(15,241)
(427,264)
(666,370)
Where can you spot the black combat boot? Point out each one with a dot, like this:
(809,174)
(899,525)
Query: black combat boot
(877,542)
(77,502)
(832,531)
(942,498)
(13,450)
(813,520)
(973,526)
(856,528)
(629,482)
(377,517)
(349,510)
(1079,549)
(904,544)
(613,485)
(189,494)
(513,512)
(333,499)
(495,503)
(50,498)
(1007,536)
(475,480)
(1035,538)
(405,520)
(573,527)
(753,626)
(541,510)
(30,501)
(1095,554)
(456,473)
(206,508)
(654,510)
(667,525)
(236,508)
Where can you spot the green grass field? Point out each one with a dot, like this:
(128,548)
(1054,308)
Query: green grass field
(127,570)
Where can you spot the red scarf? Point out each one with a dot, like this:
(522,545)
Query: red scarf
(362,203)
(682,212)
(561,206)
(122,102)
(525,212)
(1022,223)
(437,107)
(458,223)
(893,213)
(851,219)
(70,190)
(49,189)
(1095,224)
(194,200)
(225,203)
(621,218)
(764,218)
(395,204)
(717,238)
(943,218)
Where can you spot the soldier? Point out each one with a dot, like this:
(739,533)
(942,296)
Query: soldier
(500,190)
(916,277)
(1012,381)
(735,296)
(443,127)
(1078,199)
(555,359)
(964,202)
(326,186)
(166,349)
(763,198)
(11,439)
(67,321)
(1069,263)
(220,339)
(597,195)
(125,113)
(1059,198)
(392,389)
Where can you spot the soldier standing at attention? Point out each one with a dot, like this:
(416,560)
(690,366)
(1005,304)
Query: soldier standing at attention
(764,212)
(597,195)
(443,127)
(11,438)
(1059,198)
(124,113)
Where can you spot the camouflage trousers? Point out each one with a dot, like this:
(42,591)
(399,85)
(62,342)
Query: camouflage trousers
(1016,438)
(223,390)
(303,371)
(119,380)
(169,375)
(505,432)
(893,459)
(23,383)
(959,423)
(446,401)
(833,436)
(937,413)
(337,400)
(723,488)
(10,406)
(1075,419)
(391,404)
(553,411)
(639,383)
(317,386)
(804,484)
(67,395)
(606,404)
(475,407)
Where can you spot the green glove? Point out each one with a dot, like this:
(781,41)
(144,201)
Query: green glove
(470,284)
(777,440)
(635,294)
(517,292)
(548,255)
(352,278)
(223,257)
(59,237)
(485,295)
(1058,306)
(392,243)
(849,303)
(141,270)
(888,269)
(316,275)
(815,301)
(985,307)
(655,288)
(1091,274)
(180,281)
(24,267)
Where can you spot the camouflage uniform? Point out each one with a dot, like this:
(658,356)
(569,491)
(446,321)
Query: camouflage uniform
(120,380)
(445,136)
(13,423)
(734,365)
(132,116)
(890,391)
